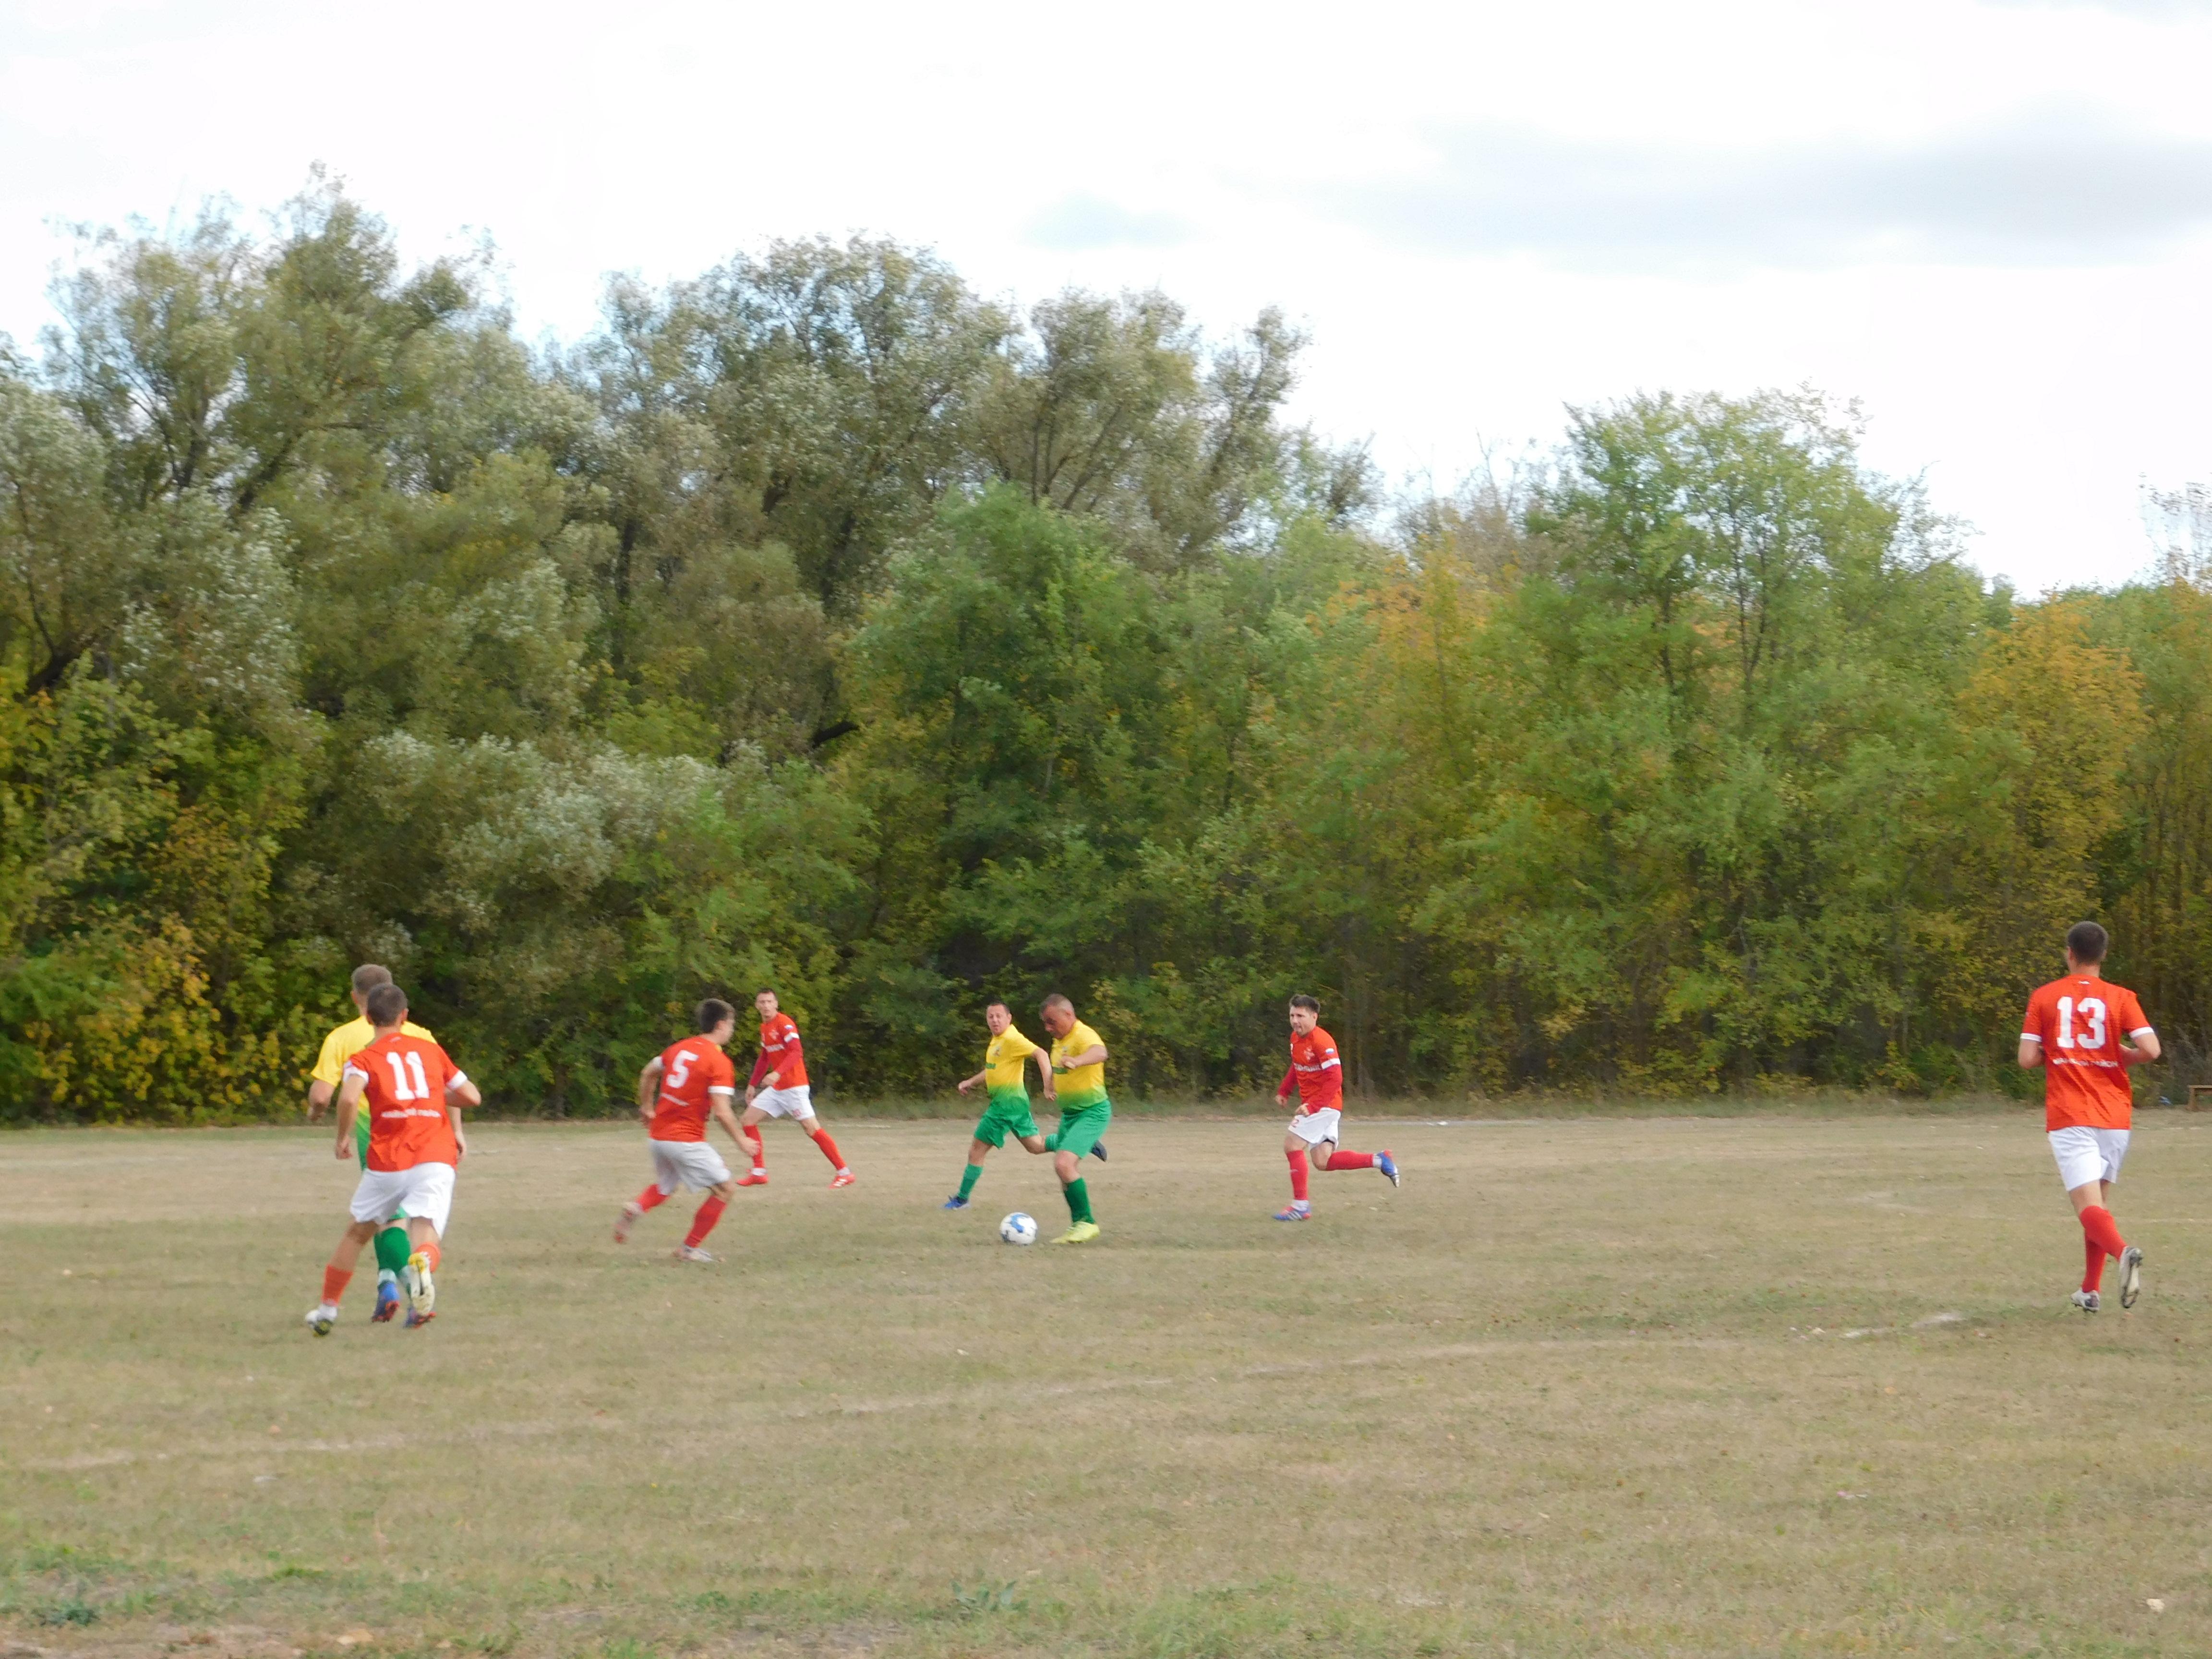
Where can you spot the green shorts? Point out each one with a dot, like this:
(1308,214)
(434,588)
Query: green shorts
(1079,1131)
(1008,1113)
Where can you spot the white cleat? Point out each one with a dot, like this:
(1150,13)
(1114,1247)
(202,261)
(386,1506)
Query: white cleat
(627,1219)
(2131,1261)
(421,1292)
(692,1253)
(2088,1301)
(321,1317)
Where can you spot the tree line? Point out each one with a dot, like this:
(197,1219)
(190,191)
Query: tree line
(820,622)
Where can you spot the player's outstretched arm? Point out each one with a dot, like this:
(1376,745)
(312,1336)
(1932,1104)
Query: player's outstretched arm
(1094,1055)
(349,1103)
(968,1082)
(648,1089)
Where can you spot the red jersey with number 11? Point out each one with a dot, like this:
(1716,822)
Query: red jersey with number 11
(405,1081)
(2080,1020)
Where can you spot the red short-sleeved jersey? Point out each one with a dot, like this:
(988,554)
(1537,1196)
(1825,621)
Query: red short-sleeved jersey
(405,1081)
(2080,1021)
(1319,1073)
(692,1072)
(781,1052)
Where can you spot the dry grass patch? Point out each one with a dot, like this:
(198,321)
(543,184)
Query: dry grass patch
(1764,1385)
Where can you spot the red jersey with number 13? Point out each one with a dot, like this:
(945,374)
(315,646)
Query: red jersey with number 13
(692,1072)
(405,1081)
(781,1052)
(2080,1020)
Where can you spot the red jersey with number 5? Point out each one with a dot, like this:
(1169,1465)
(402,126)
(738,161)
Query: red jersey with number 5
(692,1072)
(2079,1021)
(405,1081)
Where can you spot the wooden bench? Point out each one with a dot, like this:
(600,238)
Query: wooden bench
(2198,1093)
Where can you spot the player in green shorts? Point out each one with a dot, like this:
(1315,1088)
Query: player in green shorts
(1079,1069)
(340,1046)
(1005,1061)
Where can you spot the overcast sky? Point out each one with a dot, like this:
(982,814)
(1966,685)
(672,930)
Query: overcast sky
(1990,223)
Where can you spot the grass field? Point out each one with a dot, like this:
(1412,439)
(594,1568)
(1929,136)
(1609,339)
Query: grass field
(1760,1385)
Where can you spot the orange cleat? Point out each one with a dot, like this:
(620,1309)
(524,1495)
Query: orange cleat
(842,1178)
(757,1178)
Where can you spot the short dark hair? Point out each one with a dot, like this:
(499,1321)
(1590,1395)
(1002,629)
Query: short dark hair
(387,1004)
(368,976)
(1302,1000)
(2088,941)
(712,1012)
(998,1002)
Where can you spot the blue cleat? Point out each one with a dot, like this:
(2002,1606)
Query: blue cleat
(955,1202)
(1294,1213)
(1388,1165)
(387,1300)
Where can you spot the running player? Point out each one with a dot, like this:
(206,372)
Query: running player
(778,1089)
(678,1089)
(410,1089)
(1006,1060)
(344,1042)
(1318,1075)
(1079,1068)
(2074,1029)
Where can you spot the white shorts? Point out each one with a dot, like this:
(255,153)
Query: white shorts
(691,1163)
(425,1191)
(784,1103)
(1314,1127)
(2085,1155)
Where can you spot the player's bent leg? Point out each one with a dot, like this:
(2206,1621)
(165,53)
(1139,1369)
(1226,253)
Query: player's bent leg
(978,1150)
(427,1256)
(1301,1163)
(750,1136)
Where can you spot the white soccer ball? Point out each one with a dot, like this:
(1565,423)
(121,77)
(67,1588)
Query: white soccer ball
(1018,1228)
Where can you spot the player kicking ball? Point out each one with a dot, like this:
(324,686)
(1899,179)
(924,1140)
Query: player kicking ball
(410,1089)
(680,1088)
(779,1089)
(1006,1058)
(2085,1032)
(1078,1070)
(1318,1076)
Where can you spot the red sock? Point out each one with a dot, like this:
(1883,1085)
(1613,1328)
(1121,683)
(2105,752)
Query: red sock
(651,1197)
(1299,1166)
(759,1150)
(1350,1161)
(431,1255)
(2101,1230)
(2092,1266)
(334,1284)
(703,1223)
(829,1149)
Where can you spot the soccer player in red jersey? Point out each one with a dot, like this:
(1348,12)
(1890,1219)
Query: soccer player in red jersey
(1318,1076)
(409,1088)
(778,1088)
(680,1088)
(2085,1032)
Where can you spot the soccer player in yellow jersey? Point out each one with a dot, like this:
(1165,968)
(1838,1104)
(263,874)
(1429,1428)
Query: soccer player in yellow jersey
(1006,1061)
(340,1046)
(1078,1070)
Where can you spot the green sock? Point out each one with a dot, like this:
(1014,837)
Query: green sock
(393,1249)
(969,1177)
(1078,1201)
(1052,1141)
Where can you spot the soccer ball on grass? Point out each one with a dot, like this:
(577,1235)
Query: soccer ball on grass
(1018,1228)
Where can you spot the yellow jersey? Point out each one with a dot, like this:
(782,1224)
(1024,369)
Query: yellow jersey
(1005,1060)
(349,1040)
(1079,1085)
